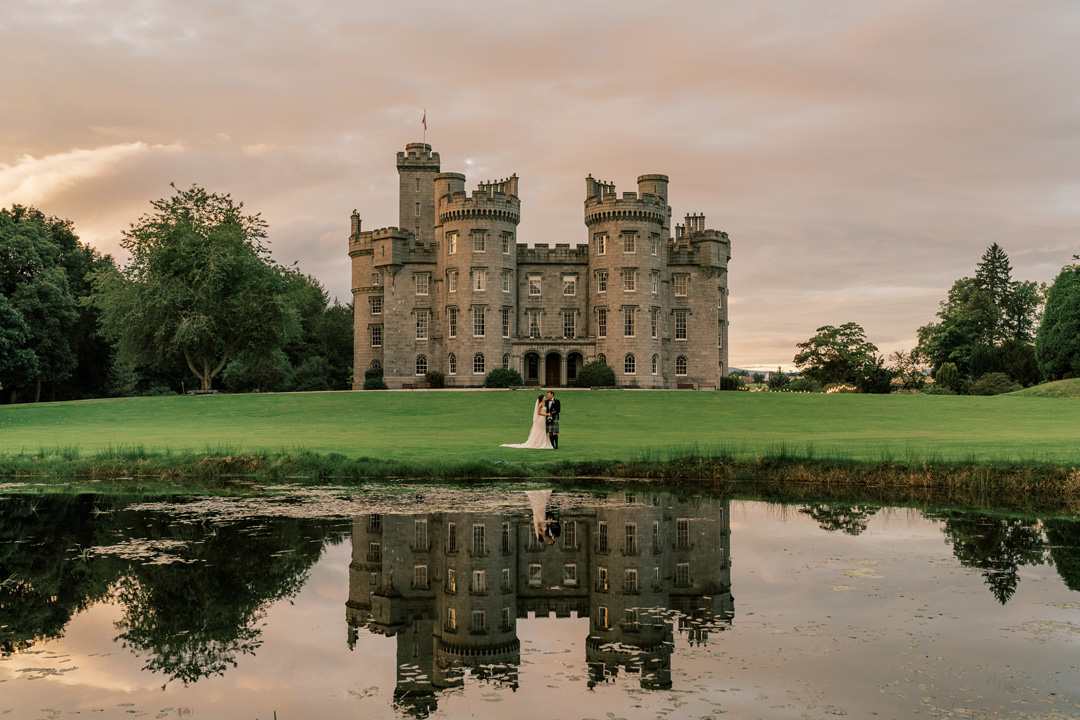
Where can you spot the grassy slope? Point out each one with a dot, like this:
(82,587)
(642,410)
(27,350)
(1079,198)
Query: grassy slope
(465,426)
(1057,389)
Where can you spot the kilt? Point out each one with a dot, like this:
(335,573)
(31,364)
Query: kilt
(553,424)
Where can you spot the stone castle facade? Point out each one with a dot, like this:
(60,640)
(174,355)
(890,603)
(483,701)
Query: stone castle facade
(452,289)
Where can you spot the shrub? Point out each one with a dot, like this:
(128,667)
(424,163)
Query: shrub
(503,378)
(778,380)
(947,377)
(803,385)
(595,374)
(313,374)
(373,379)
(731,382)
(936,389)
(757,378)
(435,379)
(994,383)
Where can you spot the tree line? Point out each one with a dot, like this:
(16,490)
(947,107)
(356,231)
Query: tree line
(201,303)
(993,334)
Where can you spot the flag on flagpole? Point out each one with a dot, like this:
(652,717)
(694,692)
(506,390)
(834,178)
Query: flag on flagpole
(424,121)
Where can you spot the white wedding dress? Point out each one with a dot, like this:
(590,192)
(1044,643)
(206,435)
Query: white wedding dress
(538,437)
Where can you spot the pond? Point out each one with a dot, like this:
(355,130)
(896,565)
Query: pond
(434,602)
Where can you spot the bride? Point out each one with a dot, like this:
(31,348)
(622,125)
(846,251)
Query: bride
(538,437)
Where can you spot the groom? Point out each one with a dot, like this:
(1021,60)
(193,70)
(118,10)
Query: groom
(552,406)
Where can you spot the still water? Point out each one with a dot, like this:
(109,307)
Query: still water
(398,603)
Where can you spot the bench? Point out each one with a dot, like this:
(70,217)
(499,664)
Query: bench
(686,386)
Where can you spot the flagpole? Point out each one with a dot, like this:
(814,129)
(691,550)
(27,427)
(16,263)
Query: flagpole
(425,125)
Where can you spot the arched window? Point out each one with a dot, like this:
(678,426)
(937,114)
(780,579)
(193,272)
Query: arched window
(506,361)
(680,365)
(655,360)
(451,364)
(629,364)
(601,358)
(421,364)
(478,364)
(375,364)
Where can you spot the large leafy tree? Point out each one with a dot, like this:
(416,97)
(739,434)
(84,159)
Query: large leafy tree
(1057,348)
(837,354)
(44,334)
(200,286)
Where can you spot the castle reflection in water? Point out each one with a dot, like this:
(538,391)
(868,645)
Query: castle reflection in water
(450,587)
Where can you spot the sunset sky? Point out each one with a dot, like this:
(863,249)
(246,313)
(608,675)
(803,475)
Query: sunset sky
(861,155)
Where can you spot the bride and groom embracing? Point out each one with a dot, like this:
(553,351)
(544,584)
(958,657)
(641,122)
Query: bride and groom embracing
(545,425)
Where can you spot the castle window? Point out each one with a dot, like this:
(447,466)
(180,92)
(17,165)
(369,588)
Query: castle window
(506,328)
(655,363)
(682,534)
(420,536)
(374,278)
(630,243)
(422,281)
(479,582)
(570,535)
(506,580)
(601,244)
(451,620)
(654,282)
(654,320)
(507,239)
(534,323)
(601,537)
(682,574)
(418,207)
(421,364)
(602,622)
(505,537)
(656,537)
(630,581)
(569,285)
(478,364)
(534,285)
(628,322)
(421,324)
(478,242)
(479,279)
(451,537)
(375,364)
(506,360)
(655,244)
(451,364)
(629,279)
(602,359)
(536,575)
(569,575)
(601,322)
(680,324)
(680,365)
(507,281)
(681,281)
(417,184)
(630,547)
(507,619)
(451,281)
(630,619)
(451,580)
(629,364)
(601,578)
(420,577)
(478,322)
(451,322)
(568,324)
(376,306)
(376,335)
(451,243)
(601,281)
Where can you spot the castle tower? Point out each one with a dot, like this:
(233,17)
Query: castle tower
(417,168)
(627,253)
(477,266)
(698,263)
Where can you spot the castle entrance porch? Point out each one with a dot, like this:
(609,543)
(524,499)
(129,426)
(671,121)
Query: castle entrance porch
(553,369)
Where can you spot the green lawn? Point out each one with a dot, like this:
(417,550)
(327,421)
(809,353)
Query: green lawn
(469,426)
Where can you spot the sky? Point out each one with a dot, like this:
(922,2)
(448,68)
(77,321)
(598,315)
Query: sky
(861,155)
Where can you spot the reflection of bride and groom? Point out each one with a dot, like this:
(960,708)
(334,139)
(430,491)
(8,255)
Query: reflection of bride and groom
(545,425)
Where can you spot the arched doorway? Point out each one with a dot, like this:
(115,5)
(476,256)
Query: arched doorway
(532,369)
(574,361)
(552,369)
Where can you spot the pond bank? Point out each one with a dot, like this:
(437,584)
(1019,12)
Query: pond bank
(780,476)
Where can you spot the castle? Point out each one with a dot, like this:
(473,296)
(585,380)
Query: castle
(452,290)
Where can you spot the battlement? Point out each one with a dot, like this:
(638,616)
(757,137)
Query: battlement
(403,246)
(648,202)
(561,253)
(418,155)
(490,200)
(509,186)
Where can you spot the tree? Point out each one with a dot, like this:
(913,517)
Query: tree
(778,380)
(946,377)
(909,369)
(1057,347)
(200,286)
(836,354)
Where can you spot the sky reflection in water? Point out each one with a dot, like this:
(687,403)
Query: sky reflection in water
(326,604)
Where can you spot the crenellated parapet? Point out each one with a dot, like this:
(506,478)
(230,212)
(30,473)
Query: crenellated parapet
(490,201)
(562,253)
(648,203)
